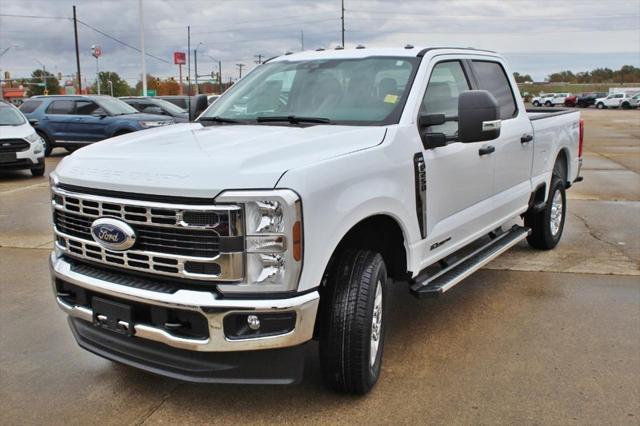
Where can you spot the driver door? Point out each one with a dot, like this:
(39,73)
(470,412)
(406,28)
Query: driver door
(89,123)
(459,180)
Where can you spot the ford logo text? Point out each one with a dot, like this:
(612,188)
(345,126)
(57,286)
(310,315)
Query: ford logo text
(113,234)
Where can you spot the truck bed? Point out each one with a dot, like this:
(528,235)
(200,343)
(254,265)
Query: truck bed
(544,112)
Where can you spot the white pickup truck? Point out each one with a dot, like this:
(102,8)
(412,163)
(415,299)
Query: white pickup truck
(215,251)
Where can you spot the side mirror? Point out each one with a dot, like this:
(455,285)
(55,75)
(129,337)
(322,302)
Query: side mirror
(431,140)
(33,122)
(478,116)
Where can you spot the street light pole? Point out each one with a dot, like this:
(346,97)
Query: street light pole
(195,64)
(110,84)
(97,75)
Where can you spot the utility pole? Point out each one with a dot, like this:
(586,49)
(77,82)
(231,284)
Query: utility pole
(220,77)
(75,32)
(195,65)
(342,23)
(142,54)
(259,56)
(301,40)
(240,66)
(189,70)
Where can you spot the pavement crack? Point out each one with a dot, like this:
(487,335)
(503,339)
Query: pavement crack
(154,408)
(592,232)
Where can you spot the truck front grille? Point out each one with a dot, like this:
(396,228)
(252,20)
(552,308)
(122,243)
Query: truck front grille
(13,145)
(187,241)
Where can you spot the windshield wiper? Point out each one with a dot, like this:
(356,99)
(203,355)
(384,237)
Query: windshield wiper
(219,119)
(293,119)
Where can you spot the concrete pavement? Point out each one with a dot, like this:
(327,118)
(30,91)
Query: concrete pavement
(535,338)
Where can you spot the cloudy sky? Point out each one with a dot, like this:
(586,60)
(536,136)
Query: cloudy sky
(537,36)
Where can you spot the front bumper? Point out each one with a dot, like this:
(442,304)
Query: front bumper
(206,303)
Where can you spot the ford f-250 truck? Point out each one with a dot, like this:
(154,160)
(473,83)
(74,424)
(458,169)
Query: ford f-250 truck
(214,251)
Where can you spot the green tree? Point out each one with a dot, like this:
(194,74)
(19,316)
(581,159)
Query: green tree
(38,77)
(522,78)
(120,86)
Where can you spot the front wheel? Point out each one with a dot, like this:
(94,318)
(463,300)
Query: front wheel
(536,103)
(626,105)
(548,104)
(547,225)
(48,143)
(353,322)
(38,171)
(600,105)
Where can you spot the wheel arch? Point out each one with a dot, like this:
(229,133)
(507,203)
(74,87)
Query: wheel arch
(381,233)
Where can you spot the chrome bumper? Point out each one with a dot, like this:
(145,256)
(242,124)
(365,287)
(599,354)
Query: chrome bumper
(213,309)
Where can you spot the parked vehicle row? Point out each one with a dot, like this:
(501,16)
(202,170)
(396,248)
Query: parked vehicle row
(600,100)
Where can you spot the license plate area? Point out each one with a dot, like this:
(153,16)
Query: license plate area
(114,316)
(8,157)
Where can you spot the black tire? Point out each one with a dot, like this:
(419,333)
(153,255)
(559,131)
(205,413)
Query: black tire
(347,321)
(547,104)
(48,143)
(536,103)
(38,171)
(600,105)
(542,234)
(626,105)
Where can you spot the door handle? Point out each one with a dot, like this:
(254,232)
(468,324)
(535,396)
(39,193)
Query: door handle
(486,150)
(526,138)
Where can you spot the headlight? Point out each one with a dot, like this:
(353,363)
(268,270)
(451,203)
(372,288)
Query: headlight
(36,141)
(32,138)
(273,239)
(148,124)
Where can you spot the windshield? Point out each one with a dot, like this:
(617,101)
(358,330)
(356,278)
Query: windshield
(10,116)
(168,106)
(115,106)
(365,91)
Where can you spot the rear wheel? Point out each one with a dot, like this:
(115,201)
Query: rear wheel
(536,103)
(626,105)
(548,103)
(352,322)
(547,225)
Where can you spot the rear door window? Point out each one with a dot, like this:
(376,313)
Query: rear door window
(60,107)
(491,77)
(29,106)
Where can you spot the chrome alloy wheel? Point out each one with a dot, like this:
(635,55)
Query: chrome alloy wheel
(376,324)
(556,213)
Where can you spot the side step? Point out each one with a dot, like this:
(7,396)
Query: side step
(451,275)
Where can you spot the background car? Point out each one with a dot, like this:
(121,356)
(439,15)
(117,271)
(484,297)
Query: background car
(570,101)
(197,103)
(588,99)
(538,100)
(615,100)
(72,121)
(20,146)
(556,99)
(152,105)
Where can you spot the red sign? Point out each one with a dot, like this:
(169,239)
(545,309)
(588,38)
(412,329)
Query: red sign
(179,58)
(96,51)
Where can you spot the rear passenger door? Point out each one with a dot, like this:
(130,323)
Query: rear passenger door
(513,154)
(57,117)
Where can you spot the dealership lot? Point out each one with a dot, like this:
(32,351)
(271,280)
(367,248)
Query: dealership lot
(537,337)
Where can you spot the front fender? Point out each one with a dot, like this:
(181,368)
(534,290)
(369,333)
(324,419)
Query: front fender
(339,193)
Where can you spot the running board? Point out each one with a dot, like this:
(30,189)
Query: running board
(448,277)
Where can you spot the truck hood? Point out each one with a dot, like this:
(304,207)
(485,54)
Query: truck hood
(194,161)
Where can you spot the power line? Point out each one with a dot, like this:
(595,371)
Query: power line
(8,15)
(122,42)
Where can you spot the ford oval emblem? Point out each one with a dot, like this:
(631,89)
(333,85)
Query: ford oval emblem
(113,234)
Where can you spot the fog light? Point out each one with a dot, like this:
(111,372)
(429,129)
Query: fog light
(239,326)
(254,322)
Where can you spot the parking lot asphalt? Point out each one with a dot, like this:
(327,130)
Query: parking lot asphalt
(534,338)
